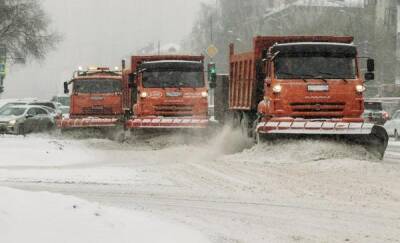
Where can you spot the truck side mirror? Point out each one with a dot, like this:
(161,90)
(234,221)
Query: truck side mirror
(264,54)
(371,65)
(66,89)
(369,76)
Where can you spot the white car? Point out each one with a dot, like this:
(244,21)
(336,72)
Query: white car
(393,126)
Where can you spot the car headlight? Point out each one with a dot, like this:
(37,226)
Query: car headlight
(204,94)
(277,88)
(143,94)
(12,123)
(360,88)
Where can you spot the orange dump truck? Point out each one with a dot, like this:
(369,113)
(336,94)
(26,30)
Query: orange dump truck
(301,86)
(96,100)
(167,92)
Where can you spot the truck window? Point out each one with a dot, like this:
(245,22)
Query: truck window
(319,67)
(173,75)
(98,86)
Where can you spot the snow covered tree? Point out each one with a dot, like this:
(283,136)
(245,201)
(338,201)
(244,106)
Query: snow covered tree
(24,30)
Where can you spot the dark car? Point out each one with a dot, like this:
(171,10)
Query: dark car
(374,113)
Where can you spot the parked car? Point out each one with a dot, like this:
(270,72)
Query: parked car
(64,100)
(23,119)
(11,103)
(49,104)
(374,113)
(63,110)
(393,126)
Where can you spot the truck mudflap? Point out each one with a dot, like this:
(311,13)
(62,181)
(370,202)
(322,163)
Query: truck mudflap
(373,137)
(167,123)
(87,123)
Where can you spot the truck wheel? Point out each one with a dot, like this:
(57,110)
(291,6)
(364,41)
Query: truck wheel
(396,136)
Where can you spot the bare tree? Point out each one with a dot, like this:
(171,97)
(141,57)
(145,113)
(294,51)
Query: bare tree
(25,30)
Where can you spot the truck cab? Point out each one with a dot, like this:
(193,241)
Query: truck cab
(169,91)
(96,100)
(313,80)
(97,93)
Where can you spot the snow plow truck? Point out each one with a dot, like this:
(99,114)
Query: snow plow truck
(96,100)
(300,87)
(167,92)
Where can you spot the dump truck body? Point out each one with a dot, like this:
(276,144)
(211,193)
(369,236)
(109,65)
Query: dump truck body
(295,86)
(168,92)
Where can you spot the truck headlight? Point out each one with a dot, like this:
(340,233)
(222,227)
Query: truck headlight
(360,88)
(12,123)
(143,94)
(204,94)
(277,88)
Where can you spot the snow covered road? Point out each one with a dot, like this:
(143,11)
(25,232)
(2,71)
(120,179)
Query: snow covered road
(290,192)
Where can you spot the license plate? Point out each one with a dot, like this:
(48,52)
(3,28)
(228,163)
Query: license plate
(96,98)
(174,94)
(320,88)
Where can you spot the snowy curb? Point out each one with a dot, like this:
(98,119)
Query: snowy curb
(47,218)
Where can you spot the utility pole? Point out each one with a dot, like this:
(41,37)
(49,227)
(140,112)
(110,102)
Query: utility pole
(3,59)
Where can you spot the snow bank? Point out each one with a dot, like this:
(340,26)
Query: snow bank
(34,150)
(48,218)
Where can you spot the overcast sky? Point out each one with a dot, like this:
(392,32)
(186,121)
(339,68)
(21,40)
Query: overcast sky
(100,32)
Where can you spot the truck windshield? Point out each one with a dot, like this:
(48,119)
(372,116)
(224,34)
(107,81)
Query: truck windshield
(173,75)
(315,67)
(98,86)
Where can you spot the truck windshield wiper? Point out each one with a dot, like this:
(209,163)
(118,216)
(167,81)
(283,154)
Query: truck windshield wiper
(294,75)
(333,76)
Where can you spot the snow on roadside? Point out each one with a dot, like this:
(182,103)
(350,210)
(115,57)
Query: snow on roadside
(42,151)
(47,218)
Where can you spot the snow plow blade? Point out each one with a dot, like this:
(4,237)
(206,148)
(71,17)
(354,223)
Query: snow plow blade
(167,123)
(87,123)
(374,138)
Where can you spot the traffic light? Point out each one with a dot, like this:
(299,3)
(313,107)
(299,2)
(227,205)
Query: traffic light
(212,74)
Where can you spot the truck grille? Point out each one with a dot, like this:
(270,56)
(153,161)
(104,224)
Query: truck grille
(98,111)
(318,107)
(174,110)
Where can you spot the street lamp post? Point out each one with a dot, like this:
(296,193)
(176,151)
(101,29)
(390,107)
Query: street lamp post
(3,58)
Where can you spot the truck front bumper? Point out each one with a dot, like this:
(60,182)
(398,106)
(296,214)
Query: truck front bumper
(87,123)
(167,123)
(304,126)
